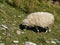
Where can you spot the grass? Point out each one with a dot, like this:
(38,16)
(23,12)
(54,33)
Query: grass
(9,15)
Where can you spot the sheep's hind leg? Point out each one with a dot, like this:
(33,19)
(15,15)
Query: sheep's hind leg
(48,30)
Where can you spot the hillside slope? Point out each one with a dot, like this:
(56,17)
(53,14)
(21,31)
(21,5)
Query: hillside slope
(11,16)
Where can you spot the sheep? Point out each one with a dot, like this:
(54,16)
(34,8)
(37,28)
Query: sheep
(39,19)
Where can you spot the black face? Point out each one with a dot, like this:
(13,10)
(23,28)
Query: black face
(33,28)
(22,26)
(27,28)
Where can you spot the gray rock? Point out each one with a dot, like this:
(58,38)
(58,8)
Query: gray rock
(18,32)
(2,44)
(23,32)
(30,43)
(56,40)
(4,26)
(16,41)
(53,42)
(47,41)
(19,16)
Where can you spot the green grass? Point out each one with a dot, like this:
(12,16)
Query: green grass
(9,16)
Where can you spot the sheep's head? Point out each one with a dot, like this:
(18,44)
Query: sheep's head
(25,22)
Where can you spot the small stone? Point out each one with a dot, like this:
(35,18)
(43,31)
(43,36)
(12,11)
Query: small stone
(2,44)
(57,41)
(19,16)
(13,24)
(30,43)
(18,32)
(53,42)
(4,26)
(49,30)
(22,32)
(16,41)
(47,41)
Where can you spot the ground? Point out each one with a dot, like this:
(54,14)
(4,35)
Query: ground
(12,16)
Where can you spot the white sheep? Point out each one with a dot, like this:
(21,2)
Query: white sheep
(41,19)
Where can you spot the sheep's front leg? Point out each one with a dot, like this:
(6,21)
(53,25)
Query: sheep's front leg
(48,30)
(25,28)
(37,29)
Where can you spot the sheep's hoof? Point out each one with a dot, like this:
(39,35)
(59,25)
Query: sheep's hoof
(38,31)
(47,31)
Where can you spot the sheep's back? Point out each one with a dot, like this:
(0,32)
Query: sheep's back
(42,19)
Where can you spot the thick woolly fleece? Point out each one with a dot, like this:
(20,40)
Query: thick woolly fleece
(42,19)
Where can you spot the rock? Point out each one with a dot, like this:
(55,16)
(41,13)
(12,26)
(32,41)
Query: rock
(4,26)
(19,16)
(47,41)
(57,41)
(2,44)
(53,42)
(30,43)
(13,24)
(49,30)
(18,32)
(22,32)
(16,41)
